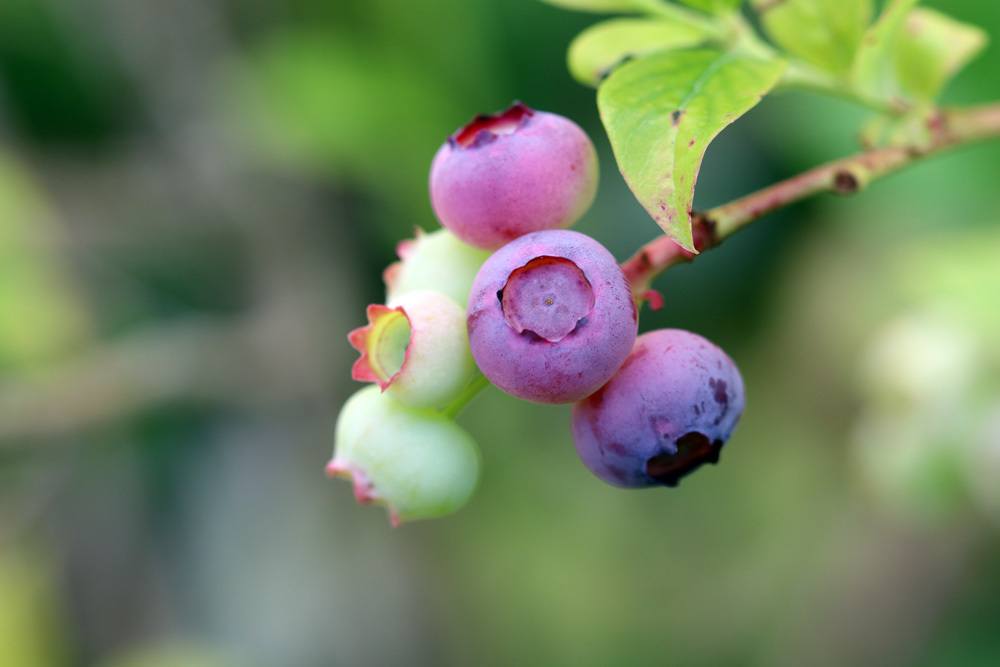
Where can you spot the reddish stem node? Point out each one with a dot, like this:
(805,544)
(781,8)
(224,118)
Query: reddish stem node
(949,129)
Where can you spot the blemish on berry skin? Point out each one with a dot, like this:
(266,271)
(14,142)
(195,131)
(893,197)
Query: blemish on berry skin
(663,430)
(719,391)
(473,320)
(692,450)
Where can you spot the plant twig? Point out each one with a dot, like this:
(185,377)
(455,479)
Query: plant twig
(948,129)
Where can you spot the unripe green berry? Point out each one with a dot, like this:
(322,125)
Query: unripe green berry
(437,261)
(417,351)
(417,463)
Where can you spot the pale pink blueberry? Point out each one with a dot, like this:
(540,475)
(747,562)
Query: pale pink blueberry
(551,317)
(509,174)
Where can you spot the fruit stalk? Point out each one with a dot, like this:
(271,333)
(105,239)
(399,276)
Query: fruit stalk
(471,391)
(948,129)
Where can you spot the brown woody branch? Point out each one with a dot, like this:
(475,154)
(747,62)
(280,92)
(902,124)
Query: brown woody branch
(946,130)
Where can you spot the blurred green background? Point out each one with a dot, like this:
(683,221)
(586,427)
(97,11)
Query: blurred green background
(197,199)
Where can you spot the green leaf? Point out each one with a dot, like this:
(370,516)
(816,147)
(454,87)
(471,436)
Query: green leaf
(714,6)
(931,49)
(826,33)
(600,6)
(661,113)
(873,72)
(600,48)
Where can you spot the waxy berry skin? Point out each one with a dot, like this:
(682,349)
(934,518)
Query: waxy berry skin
(415,349)
(516,172)
(668,410)
(417,463)
(436,261)
(551,317)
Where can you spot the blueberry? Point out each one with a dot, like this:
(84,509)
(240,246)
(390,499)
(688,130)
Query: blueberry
(416,349)
(506,175)
(668,410)
(437,261)
(551,317)
(416,463)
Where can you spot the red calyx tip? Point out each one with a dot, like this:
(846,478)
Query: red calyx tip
(653,298)
(363,370)
(484,129)
(405,247)
(391,274)
(364,490)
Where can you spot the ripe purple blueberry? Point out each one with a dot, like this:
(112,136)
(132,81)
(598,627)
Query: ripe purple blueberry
(551,317)
(668,410)
(509,174)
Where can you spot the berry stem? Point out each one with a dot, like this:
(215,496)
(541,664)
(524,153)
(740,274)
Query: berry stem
(463,399)
(948,129)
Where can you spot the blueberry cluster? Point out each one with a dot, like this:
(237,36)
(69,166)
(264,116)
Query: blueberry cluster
(548,317)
